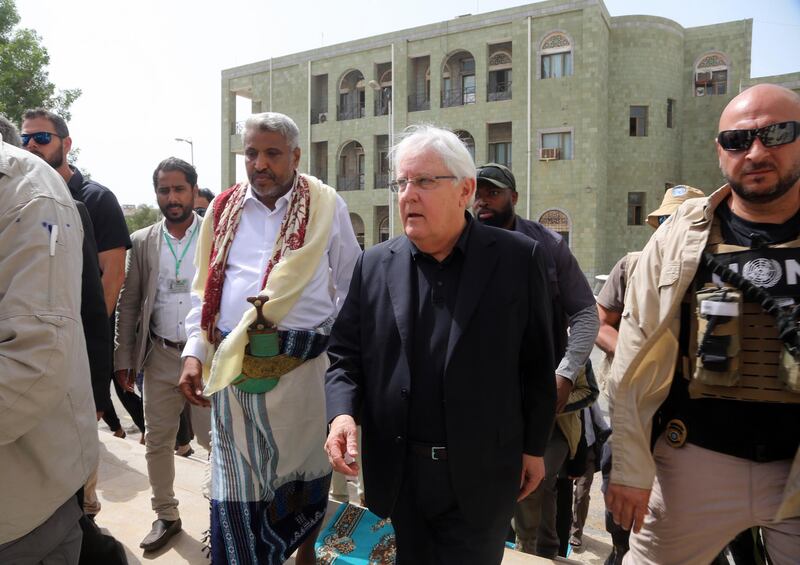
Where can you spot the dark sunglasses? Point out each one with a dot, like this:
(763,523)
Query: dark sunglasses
(40,137)
(770,136)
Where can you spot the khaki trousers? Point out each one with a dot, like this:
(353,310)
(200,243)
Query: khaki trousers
(163,404)
(702,499)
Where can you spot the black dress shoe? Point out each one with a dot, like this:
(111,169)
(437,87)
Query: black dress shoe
(160,533)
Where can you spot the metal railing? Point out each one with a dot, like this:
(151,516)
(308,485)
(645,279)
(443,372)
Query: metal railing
(419,101)
(498,91)
(349,182)
(458,97)
(237,127)
(350,112)
(381,180)
(382,107)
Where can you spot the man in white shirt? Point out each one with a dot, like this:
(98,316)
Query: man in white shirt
(151,314)
(281,244)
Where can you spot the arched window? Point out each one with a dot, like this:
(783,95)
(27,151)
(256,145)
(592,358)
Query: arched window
(358,228)
(711,75)
(458,80)
(383,229)
(557,221)
(555,56)
(352,98)
(468,140)
(499,83)
(350,172)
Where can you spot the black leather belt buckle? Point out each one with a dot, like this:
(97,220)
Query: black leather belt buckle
(439,453)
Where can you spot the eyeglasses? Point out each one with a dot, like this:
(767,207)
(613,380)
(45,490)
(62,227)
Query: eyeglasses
(770,136)
(40,137)
(423,183)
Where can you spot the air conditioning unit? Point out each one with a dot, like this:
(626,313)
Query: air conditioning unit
(549,154)
(702,79)
(323,117)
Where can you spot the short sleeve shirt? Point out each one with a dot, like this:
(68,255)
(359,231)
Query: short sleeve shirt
(110,229)
(612,295)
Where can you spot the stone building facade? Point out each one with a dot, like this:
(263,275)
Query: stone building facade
(594,114)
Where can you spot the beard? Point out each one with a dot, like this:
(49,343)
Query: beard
(784,184)
(498,219)
(186,212)
(55,160)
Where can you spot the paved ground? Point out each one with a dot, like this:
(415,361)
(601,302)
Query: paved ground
(125,494)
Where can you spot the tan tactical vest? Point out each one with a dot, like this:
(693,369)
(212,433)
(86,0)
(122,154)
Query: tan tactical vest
(758,360)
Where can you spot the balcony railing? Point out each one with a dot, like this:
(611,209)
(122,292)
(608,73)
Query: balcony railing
(319,115)
(458,97)
(349,182)
(237,127)
(350,112)
(382,107)
(419,101)
(381,180)
(498,91)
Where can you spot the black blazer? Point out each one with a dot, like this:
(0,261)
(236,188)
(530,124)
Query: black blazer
(499,384)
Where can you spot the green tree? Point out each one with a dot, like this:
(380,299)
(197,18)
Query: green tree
(24,82)
(143,216)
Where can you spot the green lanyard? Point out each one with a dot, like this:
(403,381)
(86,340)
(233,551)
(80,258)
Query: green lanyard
(172,250)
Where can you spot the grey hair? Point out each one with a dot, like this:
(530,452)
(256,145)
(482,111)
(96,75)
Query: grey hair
(443,142)
(274,122)
(9,132)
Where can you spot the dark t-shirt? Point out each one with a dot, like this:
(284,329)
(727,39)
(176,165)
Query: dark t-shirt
(755,430)
(110,230)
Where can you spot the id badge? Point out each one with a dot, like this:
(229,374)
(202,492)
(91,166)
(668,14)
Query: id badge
(178,285)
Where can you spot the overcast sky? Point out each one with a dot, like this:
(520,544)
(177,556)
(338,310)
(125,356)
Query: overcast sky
(150,70)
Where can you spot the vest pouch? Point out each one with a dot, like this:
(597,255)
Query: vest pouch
(719,336)
(789,371)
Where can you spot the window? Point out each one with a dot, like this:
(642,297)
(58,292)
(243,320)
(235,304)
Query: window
(636,208)
(670,113)
(556,56)
(561,140)
(458,80)
(500,153)
(499,84)
(638,121)
(711,75)
(557,221)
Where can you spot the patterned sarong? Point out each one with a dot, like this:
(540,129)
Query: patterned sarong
(270,475)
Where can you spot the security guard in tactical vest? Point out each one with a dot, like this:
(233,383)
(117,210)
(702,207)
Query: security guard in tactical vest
(704,386)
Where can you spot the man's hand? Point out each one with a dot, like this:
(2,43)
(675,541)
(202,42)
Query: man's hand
(628,505)
(563,388)
(191,382)
(532,475)
(125,379)
(342,445)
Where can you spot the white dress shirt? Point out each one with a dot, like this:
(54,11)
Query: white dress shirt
(249,254)
(170,307)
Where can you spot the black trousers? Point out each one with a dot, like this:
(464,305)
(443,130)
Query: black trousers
(132,403)
(430,529)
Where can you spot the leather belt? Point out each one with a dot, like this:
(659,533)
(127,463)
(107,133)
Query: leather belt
(428,451)
(179,345)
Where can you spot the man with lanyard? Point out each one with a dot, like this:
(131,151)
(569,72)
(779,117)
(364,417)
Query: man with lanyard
(710,325)
(573,308)
(274,258)
(153,305)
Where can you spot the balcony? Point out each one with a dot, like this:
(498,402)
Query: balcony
(458,97)
(350,111)
(382,107)
(418,102)
(349,182)
(237,128)
(381,180)
(498,91)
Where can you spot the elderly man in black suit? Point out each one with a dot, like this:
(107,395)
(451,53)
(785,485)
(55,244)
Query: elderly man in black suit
(443,352)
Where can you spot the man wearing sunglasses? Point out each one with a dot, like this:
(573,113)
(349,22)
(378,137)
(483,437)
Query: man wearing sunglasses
(573,308)
(46,135)
(709,353)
